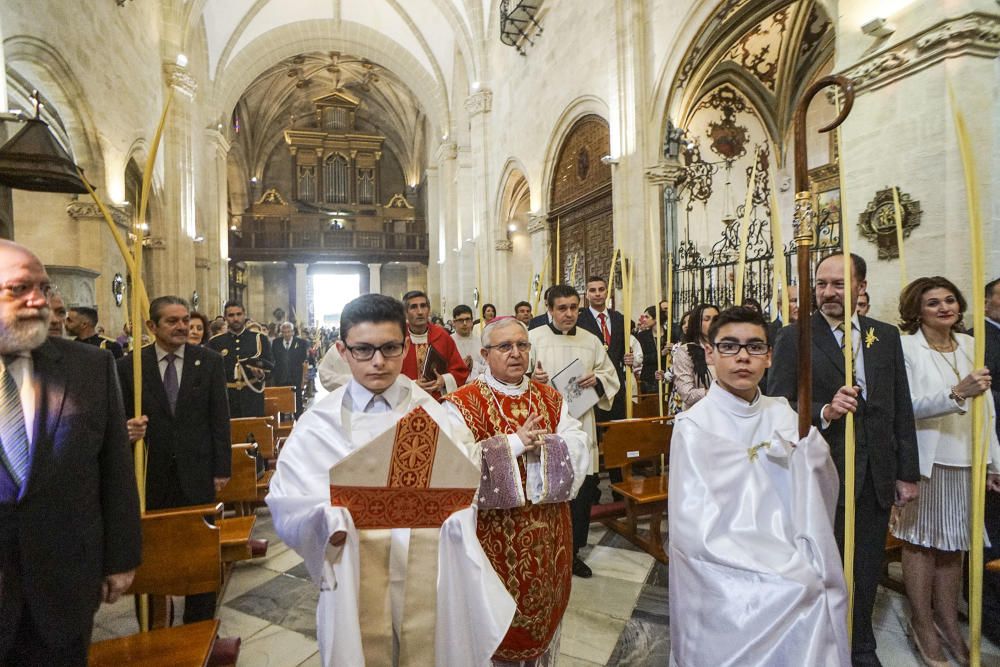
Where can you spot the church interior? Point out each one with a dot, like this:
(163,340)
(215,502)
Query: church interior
(308,151)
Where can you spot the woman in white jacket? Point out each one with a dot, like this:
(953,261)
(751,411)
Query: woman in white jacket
(935,529)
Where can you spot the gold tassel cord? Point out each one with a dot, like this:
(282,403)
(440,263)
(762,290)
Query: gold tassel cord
(978,491)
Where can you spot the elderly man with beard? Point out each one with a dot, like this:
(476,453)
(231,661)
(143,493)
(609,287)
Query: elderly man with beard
(69,510)
(535,456)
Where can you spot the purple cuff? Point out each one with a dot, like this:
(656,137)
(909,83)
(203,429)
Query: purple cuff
(557,471)
(500,484)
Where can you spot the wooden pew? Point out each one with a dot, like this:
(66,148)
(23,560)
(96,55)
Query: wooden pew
(646,441)
(647,406)
(168,570)
(240,492)
(261,431)
(279,402)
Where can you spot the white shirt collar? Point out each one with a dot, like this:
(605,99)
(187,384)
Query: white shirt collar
(733,403)
(835,323)
(419,338)
(504,387)
(362,396)
(598,313)
(161,353)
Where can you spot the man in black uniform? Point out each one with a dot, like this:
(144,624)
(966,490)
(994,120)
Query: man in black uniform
(290,353)
(248,360)
(82,323)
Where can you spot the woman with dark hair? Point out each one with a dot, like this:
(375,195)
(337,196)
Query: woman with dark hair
(935,529)
(489,313)
(692,375)
(197,329)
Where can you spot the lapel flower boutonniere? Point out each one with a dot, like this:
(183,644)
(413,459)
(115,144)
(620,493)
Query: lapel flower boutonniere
(197,362)
(752,451)
(870,338)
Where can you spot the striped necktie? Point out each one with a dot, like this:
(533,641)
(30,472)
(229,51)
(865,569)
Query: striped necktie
(13,436)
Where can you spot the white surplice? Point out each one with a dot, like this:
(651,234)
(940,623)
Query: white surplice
(474,609)
(755,575)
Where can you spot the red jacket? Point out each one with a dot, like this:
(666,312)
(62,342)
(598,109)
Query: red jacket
(440,340)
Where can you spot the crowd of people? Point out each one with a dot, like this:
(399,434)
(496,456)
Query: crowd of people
(756,512)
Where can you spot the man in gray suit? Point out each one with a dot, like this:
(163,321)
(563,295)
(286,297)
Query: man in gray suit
(887,465)
(69,507)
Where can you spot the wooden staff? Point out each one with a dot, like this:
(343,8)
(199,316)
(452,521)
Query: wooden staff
(804,224)
(628,277)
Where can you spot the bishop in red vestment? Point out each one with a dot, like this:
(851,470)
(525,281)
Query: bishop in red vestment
(534,457)
(424,335)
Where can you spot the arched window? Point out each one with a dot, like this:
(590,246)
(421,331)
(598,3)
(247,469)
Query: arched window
(335,179)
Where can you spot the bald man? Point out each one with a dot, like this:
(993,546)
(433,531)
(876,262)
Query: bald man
(69,510)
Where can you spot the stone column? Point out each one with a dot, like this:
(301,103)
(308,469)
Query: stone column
(538,229)
(172,259)
(94,260)
(375,278)
(301,300)
(215,248)
(492,276)
(435,241)
(661,206)
(447,221)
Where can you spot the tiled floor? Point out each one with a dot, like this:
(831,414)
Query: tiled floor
(618,617)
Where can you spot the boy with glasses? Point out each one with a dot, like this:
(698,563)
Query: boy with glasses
(751,520)
(473,618)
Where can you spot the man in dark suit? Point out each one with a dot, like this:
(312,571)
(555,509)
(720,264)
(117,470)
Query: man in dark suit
(887,464)
(185,421)
(247,358)
(991,580)
(609,326)
(290,354)
(542,319)
(82,323)
(69,511)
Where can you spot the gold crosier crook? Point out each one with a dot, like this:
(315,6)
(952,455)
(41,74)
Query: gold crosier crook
(804,224)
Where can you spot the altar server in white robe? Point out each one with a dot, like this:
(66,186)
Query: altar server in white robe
(474,609)
(553,347)
(755,575)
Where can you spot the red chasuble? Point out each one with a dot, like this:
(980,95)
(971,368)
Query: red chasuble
(530,546)
(442,341)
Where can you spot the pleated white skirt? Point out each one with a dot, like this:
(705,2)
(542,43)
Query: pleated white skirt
(940,516)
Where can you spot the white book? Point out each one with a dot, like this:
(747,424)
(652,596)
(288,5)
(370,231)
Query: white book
(578,399)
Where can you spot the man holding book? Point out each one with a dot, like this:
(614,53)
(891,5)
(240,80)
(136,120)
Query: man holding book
(554,347)
(432,360)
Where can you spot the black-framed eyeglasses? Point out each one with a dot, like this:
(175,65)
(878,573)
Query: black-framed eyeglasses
(729,348)
(506,348)
(20,290)
(365,352)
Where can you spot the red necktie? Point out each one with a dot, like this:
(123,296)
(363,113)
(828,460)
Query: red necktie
(604,330)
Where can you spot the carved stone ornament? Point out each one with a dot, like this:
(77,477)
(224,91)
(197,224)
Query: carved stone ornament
(665,173)
(195,300)
(179,79)
(878,221)
(976,33)
(79,210)
(446,151)
(480,102)
(504,245)
(537,223)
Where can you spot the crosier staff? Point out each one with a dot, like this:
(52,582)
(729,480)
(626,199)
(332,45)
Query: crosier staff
(804,224)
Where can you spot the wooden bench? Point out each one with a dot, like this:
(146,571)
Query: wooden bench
(279,402)
(645,441)
(259,430)
(166,570)
(240,492)
(648,406)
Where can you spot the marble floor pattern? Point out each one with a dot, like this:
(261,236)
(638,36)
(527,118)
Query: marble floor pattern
(618,617)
